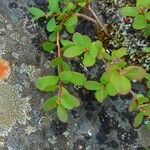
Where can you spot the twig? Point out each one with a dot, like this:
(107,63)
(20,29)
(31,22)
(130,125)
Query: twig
(98,20)
(59,55)
(58,45)
(87,18)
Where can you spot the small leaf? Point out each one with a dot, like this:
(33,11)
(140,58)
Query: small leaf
(92,85)
(73,77)
(66,67)
(57,61)
(71,21)
(148,84)
(148,126)
(73,51)
(147,50)
(142,3)
(51,25)
(69,102)
(139,22)
(88,60)
(62,114)
(119,53)
(52,37)
(147,76)
(134,72)
(82,40)
(50,104)
(38,13)
(101,95)
(129,11)
(48,46)
(110,88)
(146,110)
(53,5)
(147,30)
(70,29)
(47,83)
(57,28)
(133,106)
(138,119)
(148,15)
(121,83)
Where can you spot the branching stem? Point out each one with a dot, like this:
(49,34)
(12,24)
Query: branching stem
(98,20)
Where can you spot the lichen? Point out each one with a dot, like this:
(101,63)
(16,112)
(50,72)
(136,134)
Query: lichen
(12,108)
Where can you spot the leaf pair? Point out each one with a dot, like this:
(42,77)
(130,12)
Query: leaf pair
(140,13)
(140,103)
(62,103)
(82,44)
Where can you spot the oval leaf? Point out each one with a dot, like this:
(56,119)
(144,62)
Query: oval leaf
(47,83)
(62,114)
(134,72)
(138,119)
(92,85)
(50,103)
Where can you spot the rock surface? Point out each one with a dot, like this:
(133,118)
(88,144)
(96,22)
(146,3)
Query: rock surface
(24,125)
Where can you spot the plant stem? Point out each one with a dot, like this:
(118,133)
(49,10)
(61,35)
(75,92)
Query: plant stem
(61,68)
(58,45)
(87,18)
(98,20)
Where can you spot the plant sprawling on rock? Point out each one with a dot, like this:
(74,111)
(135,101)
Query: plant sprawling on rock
(117,78)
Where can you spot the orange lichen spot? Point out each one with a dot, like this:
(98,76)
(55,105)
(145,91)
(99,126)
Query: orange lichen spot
(4,69)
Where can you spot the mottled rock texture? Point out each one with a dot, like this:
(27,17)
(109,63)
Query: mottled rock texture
(24,125)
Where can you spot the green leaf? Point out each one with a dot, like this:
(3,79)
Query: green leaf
(47,83)
(119,53)
(110,88)
(51,25)
(70,29)
(147,15)
(53,6)
(88,60)
(148,126)
(62,114)
(139,22)
(57,28)
(95,48)
(101,95)
(74,77)
(69,7)
(66,67)
(143,3)
(121,83)
(148,84)
(129,11)
(69,102)
(147,30)
(82,40)
(38,13)
(50,104)
(92,85)
(146,110)
(48,46)
(73,51)
(71,21)
(57,61)
(133,106)
(66,43)
(147,50)
(52,37)
(134,72)
(147,76)
(138,119)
